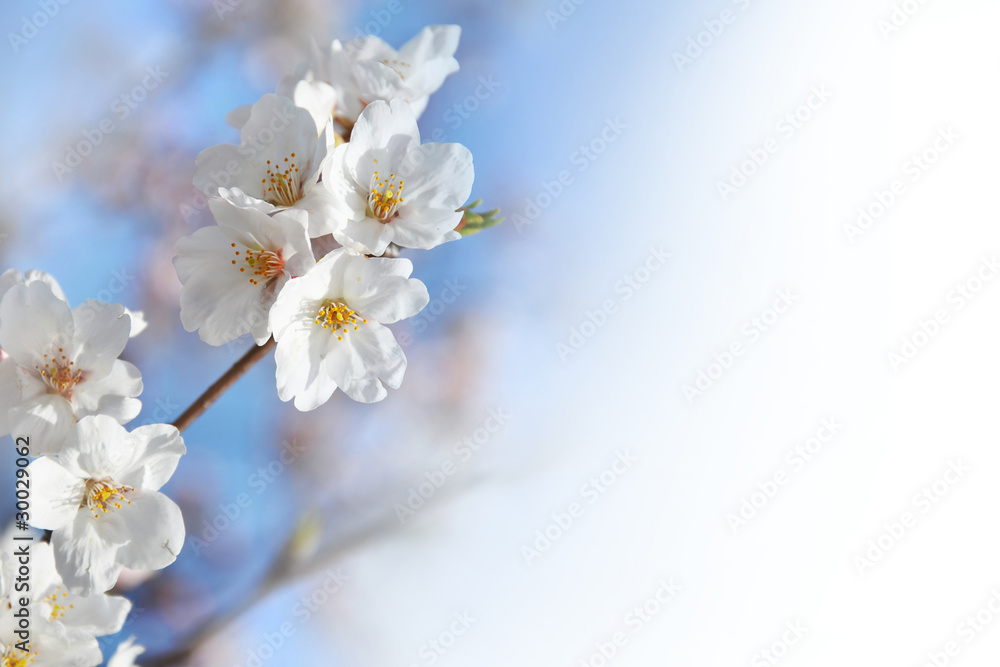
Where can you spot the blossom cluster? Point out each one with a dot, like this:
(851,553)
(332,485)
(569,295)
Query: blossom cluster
(66,396)
(328,183)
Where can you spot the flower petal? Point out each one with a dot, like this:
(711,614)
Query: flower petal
(86,553)
(158,449)
(102,330)
(126,653)
(56,494)
(112,395)
(95,615)
(381,139)
(156,530)
(379,289)
(98,447)
(33,320)
(383,363)
(443,180)
(46,420)
(33,275)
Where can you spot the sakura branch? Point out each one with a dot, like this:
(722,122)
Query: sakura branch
(328,184)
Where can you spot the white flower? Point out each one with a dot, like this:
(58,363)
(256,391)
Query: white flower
(61,617)
(126,653)
(101,500)
(317,97)
(340,80)
(364,70)
(278,161)
(328,325)
(232,272)
(63,365)
(390,189)
(62,625)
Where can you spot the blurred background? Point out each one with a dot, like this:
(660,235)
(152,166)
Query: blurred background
(721,390)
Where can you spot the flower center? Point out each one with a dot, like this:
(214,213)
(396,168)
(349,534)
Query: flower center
(58,610)
(13,657)
(384,197)
(102,495)
(281,185)
(336,317)
(60,373)
(398,66)
(266,264)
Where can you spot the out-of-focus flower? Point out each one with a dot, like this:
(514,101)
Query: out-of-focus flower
(317,97)
(138,320)
(392,189)
(340,80)
(63,365)
(126,653)
(233,271)
(330,333)
(101,499)
(368,69)
(278,161)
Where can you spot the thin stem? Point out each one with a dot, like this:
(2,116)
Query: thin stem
(212,394)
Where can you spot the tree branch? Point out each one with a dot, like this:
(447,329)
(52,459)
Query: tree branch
(238,370)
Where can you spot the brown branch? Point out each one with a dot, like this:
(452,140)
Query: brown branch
(205,401)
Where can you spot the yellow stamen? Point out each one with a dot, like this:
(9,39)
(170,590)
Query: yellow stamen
(338,318)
